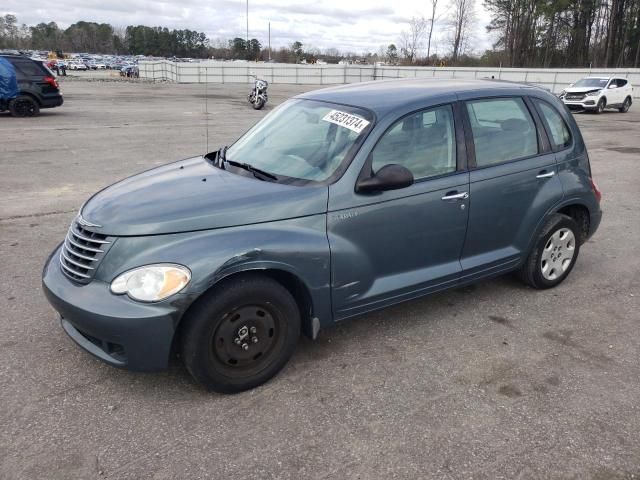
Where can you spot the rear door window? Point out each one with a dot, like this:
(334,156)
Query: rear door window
(555,124)
(503,130)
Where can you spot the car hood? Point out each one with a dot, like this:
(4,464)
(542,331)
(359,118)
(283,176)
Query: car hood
(581,89)
(193,195)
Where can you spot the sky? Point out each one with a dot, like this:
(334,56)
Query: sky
(356,26)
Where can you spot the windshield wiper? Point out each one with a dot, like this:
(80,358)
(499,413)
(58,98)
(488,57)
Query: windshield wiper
(249,168)
(218,157)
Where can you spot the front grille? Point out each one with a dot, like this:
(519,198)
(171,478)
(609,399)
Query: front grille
(81,253)
(575,96)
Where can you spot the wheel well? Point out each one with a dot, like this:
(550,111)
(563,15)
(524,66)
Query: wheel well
(580,214)
(291,282)
(29,94)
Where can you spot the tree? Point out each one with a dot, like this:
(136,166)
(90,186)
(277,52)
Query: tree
(462,21)
(238,47)
(434,4)
(411,40)
(392,54)
(296,48)
(254,49)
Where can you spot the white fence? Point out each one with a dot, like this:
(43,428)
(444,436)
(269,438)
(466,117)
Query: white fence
(233,72)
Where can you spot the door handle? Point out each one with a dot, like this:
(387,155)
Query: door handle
(546,174)
(455,196)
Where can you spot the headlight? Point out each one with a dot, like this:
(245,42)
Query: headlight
(152,283)
(594,94)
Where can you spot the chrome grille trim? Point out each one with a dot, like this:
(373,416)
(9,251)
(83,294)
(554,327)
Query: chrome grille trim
(82,251)
(91,259)
(75,234)
(69,270)
(96,250)
(74,262)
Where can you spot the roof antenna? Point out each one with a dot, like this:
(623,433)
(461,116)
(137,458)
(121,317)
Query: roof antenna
(206,106)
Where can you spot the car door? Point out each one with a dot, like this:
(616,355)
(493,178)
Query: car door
(390,246)
(513,183)
(622,90)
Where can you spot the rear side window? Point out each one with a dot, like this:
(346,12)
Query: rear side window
(503,130)
(621,82)
(28,68)
(560,135)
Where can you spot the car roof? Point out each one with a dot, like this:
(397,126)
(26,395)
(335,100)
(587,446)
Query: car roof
(14,55)
(382,96)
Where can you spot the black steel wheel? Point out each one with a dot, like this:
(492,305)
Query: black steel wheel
(246,338)
(24,106)
(241,334)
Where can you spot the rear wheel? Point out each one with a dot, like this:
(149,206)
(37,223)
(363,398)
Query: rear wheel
(241,335)
(625,106)
(24,106)
(554,254)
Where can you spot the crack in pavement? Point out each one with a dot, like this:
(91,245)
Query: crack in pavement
(34,215)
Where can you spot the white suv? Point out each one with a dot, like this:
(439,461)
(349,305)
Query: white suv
(598,93)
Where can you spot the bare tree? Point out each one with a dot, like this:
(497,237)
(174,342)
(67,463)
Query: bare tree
(434,4)
(411,41)
(462,20)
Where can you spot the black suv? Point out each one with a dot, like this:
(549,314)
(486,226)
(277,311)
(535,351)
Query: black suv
(38,87)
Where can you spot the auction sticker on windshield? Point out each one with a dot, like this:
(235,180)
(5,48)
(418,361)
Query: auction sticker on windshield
(347,120)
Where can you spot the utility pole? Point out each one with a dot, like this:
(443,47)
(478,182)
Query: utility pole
(269,41)
(247,25)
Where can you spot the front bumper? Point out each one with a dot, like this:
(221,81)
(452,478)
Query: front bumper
(588,103)
(113,328)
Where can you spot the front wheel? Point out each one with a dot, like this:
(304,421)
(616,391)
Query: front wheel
(625,106)
(601,104)
(24,106)
(241,334)
(554,254)
(258,103)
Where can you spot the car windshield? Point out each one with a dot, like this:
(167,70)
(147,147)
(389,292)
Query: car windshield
(591,82)
(303,140)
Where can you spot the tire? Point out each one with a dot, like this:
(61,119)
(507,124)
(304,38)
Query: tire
(241,334)
(258,104)
(24,106)
(625,106)
(601,104)
(554,253)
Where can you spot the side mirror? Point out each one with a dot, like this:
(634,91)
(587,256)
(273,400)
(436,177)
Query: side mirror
(613,85)
(389,177)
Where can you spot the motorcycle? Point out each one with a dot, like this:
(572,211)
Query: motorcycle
(258,96)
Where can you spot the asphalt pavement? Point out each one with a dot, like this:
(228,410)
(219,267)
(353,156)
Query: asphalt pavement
(493,381)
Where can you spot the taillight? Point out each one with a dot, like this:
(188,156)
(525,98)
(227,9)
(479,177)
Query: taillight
(51,81)
(595,189)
